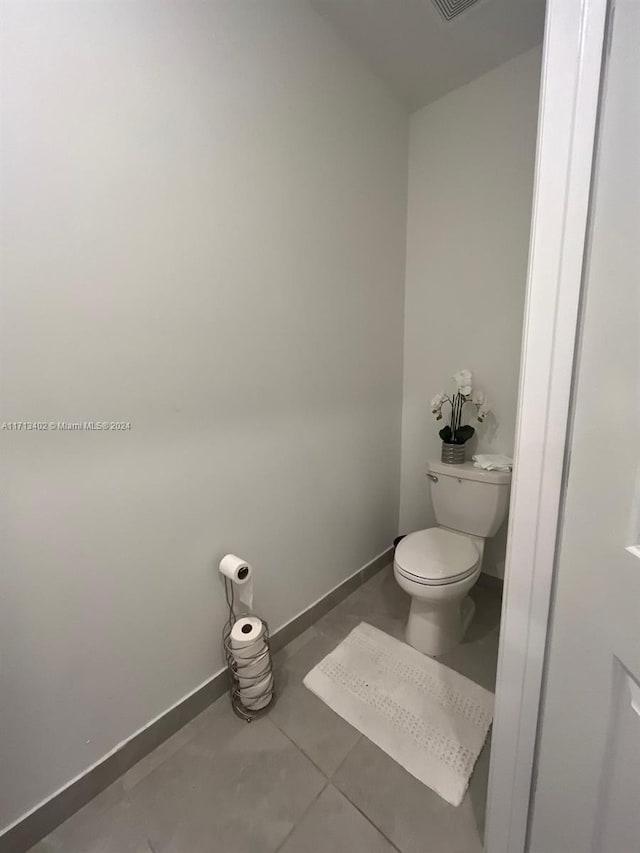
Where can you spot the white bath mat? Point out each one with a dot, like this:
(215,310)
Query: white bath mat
(427,717)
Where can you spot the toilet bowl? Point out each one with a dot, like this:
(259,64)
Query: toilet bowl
(438,566)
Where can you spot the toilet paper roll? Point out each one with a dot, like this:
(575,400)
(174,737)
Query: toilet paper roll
(247,639)
(258,695)
(250,673)
(241,574)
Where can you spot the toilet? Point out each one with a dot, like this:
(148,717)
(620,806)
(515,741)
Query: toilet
(438,566)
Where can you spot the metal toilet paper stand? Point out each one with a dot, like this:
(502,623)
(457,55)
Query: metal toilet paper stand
(260,662)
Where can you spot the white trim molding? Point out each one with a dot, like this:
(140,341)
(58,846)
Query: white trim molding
(572,59)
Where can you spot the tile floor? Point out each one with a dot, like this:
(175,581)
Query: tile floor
(312,783)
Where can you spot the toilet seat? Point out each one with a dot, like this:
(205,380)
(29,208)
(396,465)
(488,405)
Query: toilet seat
(434,557)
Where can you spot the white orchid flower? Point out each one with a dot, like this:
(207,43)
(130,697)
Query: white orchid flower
(462,378)
(465,390)
(437,401)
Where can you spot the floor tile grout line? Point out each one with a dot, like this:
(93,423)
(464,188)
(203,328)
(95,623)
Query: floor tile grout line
(349,751)
(365,815)
(327,776)
(348,798)
(301,750)
(302,816)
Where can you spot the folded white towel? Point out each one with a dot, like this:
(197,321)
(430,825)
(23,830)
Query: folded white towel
(493,461)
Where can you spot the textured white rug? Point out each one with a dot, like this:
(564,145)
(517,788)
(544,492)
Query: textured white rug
(427,717)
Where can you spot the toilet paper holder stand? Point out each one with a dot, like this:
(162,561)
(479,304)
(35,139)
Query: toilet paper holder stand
(260,664)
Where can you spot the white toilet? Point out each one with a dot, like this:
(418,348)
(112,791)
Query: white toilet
(438,566)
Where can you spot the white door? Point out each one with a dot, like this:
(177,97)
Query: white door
(587,788)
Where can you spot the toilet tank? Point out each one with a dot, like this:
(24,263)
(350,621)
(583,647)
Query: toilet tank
(469,499)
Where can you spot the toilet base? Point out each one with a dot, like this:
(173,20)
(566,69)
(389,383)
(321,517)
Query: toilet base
(435,628)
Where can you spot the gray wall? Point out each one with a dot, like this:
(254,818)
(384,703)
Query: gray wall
(471,161)
(204,219)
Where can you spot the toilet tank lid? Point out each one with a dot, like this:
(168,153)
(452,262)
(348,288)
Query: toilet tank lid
(468,471)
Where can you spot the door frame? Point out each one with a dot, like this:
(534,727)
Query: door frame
(568,108)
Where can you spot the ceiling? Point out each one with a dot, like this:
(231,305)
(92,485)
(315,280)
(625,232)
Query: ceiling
(422,56)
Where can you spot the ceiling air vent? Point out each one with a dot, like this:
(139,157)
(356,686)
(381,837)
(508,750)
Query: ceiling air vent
(450,8)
